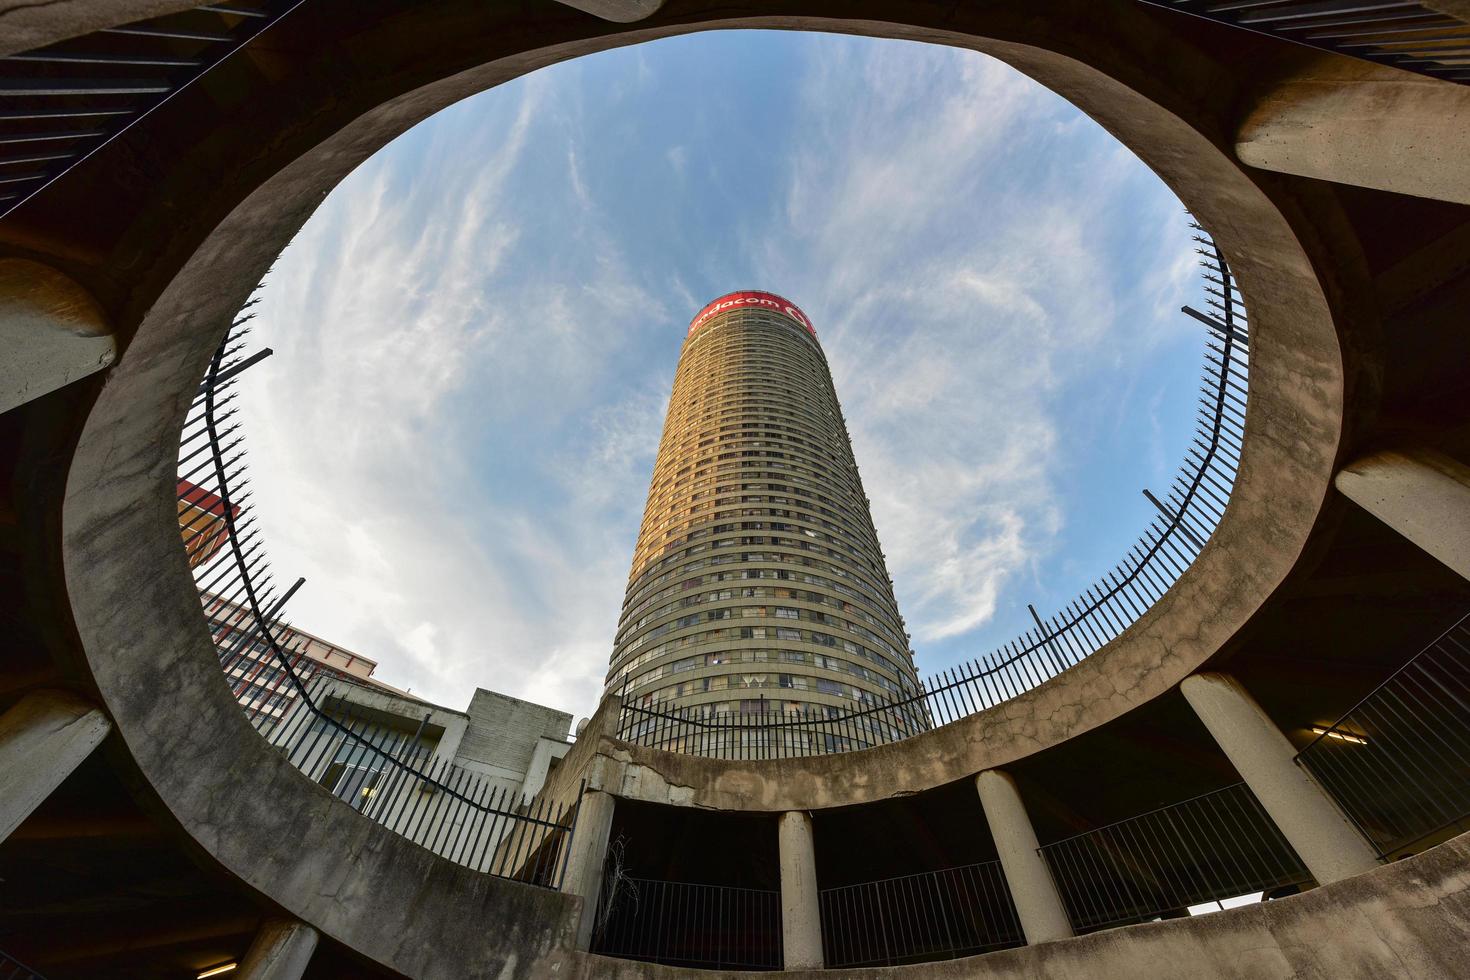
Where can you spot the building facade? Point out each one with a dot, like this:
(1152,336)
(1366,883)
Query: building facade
(757,583)
(256,677)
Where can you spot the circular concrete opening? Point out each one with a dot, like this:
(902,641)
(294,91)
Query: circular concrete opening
(488,310)
(133,604)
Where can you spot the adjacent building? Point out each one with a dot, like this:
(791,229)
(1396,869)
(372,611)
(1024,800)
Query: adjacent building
(757,583)
(506,744)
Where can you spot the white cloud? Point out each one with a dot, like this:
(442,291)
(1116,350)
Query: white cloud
(956,426)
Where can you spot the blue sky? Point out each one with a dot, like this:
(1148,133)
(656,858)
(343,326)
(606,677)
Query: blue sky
(476,336)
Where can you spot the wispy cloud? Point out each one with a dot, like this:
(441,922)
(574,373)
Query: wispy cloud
(954,343)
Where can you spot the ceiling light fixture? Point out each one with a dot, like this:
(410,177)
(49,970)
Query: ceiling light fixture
(215,971)
(1342,736)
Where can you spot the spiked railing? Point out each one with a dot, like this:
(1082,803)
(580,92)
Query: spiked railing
(1189,511)
(295,701)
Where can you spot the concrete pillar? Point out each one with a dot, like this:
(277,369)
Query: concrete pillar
(1354,124)
(1327,843)
(43,738)
(801,911)
(281,951)
(588,854)
(618,11)
(1038,905)
(51,332)
(1422,494)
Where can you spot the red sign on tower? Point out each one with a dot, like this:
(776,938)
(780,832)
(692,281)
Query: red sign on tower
(751,299)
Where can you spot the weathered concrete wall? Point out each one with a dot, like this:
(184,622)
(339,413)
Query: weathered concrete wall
(1409,920)
(503,730)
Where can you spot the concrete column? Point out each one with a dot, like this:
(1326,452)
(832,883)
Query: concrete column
(43,738)
(281,951)
(801,912)
(618,11)
(51,332)
(1422,494)
(1328,845)
(588,855)
(1038,906)
(1357,125)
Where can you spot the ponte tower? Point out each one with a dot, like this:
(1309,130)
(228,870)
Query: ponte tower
(758,585)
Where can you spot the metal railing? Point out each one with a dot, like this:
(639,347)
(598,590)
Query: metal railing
(1216,846)
(1189,511)
(66,101)
(13,969)
(1405,35)
(458,814)
(934,915)
(683,924)
(1398,762)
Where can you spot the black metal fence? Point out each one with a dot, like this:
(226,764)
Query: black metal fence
(1405,35)
(683,924)
(1398,762)
(288,697)
(1189,510)
(1216,846)
(934,915)
(13,969)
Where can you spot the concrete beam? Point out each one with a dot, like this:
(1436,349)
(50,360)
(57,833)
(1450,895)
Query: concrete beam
(583,875)
(1038,905)
(281,951)
(801,912)
(1455,8)
(617,11)
(1402,133)
(1422,494)
(43,738)
(1306,815)
(51,330)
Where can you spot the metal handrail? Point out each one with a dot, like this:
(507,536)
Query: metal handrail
(920,917)
(1192,508)
(1217,845)
(689,924)
(1398,761)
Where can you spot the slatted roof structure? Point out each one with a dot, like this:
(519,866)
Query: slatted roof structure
(61,103)
(1405,35)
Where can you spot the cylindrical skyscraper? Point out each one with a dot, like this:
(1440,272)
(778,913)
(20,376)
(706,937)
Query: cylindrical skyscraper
(758,586)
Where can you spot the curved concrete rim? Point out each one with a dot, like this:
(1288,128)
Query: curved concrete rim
(150,656)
